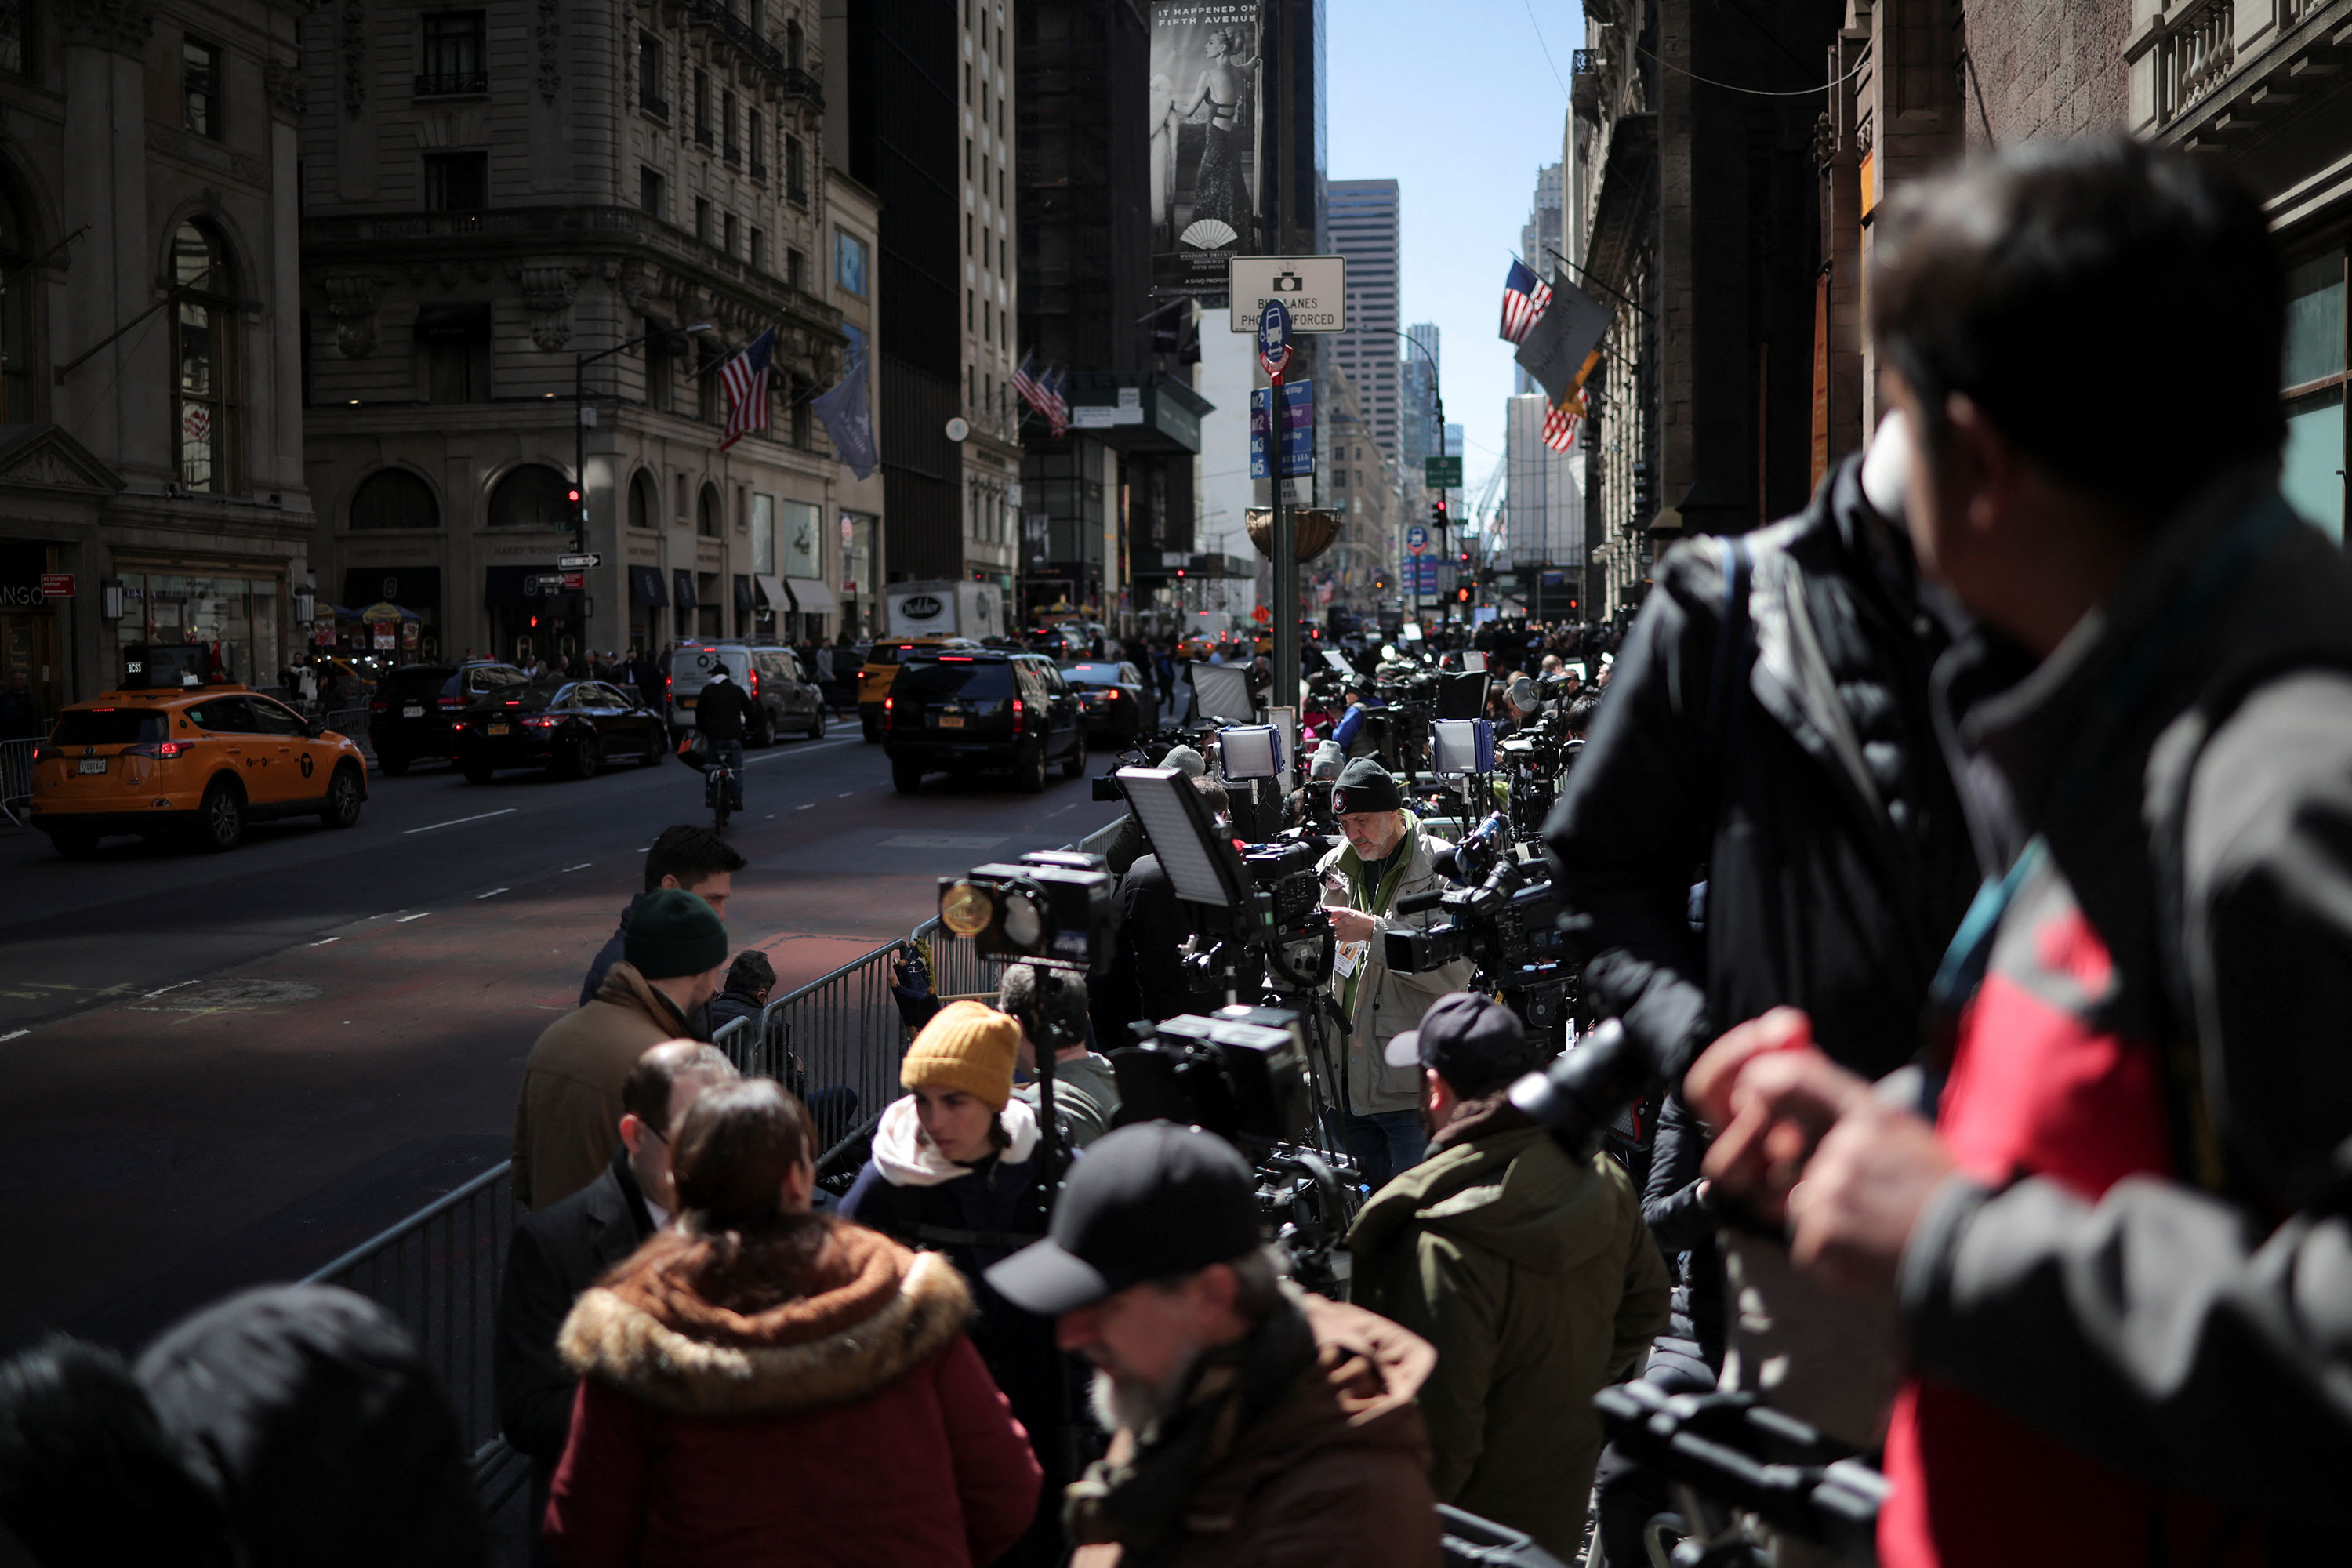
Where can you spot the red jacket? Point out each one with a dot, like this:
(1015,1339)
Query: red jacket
(852,1425)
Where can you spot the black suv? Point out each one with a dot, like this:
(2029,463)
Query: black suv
(409,716)
(982,709)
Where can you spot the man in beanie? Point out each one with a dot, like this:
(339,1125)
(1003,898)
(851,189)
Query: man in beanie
(1130,842)
(570,1109)
(1386,858)
(955,1168)
(1252,1423)
(1531,1272)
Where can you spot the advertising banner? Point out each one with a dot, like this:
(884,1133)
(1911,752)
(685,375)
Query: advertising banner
(1204,131)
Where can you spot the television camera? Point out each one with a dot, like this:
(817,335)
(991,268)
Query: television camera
(1506,920)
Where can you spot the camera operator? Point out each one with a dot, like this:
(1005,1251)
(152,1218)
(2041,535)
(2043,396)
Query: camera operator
(1085,1091)
(2151,1069)
(1131,841)
(1530,1273)
(1771,732)
(1254,1424)
(1386,858)
(1148,978)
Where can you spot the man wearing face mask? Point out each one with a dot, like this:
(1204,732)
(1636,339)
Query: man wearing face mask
(566,1246)
(1386,858)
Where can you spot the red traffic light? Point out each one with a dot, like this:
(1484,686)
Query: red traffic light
(1463,594)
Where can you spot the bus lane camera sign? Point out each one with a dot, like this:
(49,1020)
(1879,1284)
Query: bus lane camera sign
(1313,288)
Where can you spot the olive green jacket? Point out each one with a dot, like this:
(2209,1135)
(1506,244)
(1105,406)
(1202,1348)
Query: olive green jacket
(1538,1283)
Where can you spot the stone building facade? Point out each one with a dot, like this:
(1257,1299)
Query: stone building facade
(151,433)
(516,205)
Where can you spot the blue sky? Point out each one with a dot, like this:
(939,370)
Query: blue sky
(1457,102)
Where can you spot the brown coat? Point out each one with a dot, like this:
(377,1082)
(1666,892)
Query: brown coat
(568,1118)
(1336,1472)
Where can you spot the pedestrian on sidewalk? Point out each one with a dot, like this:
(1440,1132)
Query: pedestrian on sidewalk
(567,1117)
(765,1384)
(684,856)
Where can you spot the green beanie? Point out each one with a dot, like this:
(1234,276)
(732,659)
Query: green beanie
(673,932)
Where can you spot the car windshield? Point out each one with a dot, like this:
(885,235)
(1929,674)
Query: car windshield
(417,680)
(109,727)
(529,694)
(1093,674)
(968,680)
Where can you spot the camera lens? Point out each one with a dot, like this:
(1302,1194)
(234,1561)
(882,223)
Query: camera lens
(966,910)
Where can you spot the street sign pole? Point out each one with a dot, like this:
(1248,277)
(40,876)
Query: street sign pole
(1274,353)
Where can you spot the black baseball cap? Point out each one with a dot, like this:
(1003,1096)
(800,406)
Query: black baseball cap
(1474,1042)
(1147,1202)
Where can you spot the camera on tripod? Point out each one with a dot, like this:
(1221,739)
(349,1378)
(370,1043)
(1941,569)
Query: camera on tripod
(1054,908)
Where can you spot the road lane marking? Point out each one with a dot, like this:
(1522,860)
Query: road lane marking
(810,806)
(845,794)
(403,920)
(493,894)
(939,841)
(12,1035)
(459,821)
(323,942)
(581,866)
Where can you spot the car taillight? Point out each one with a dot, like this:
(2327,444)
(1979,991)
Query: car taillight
(450,701)
(1111,695)
(755,684)
(1019,715)
(45,752)
(161,751)
(544,721)
(378,706)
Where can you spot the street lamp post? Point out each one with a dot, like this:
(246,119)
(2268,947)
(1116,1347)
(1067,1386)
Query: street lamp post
(579,427)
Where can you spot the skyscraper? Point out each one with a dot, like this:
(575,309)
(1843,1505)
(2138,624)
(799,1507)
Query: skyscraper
(1418,396)
(1364,229)
(1539,239)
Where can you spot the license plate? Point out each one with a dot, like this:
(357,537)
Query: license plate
(411,712)
(685,702)
(90,765)
(496,730)
(950,722)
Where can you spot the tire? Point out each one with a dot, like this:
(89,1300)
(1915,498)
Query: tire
(906,775)
(344,798)
(655,753)
(582,757)
(390,764)
(475,773)
(1030,772)
(816,724)
(74,843)
(220,818)
(870,721)
(763,732)
(1074,766)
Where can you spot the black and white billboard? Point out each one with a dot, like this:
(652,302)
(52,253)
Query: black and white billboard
(1205,133)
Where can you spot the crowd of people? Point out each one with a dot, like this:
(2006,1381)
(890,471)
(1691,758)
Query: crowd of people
(1967,860)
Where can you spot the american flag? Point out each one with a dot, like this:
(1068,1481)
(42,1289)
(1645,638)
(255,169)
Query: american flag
(745,377)
(1560,421)
(1043,394)
(1525,295)
(1057,407)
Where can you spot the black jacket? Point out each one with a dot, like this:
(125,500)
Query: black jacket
(721,709)
(1798,775)
(1684,1226)
(556,1254)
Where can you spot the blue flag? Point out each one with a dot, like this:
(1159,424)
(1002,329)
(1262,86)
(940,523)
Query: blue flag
(849,420)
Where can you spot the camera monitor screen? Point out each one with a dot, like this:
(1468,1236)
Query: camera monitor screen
(1462,694)
(1249,752)
(1201,865)
(1339,663)
(1472,658)
(1222,691)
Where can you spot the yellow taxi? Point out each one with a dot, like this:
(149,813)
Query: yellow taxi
(881,667)
(196,762)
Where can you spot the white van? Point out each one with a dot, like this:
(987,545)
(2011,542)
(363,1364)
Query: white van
(785,699)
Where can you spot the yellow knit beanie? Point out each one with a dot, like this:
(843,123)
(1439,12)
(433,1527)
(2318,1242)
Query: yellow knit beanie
(968,1046)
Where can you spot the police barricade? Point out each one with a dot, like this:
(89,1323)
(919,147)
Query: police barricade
(352,723)
(16,779)
(437,1272)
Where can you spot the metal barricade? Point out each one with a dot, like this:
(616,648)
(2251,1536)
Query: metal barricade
(16,779)
(352,723)
(437,1272)
(836,1042)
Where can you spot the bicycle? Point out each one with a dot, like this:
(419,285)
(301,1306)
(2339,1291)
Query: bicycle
(722,783)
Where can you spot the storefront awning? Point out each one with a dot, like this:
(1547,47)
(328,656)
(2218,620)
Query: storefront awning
(645,592)
(772,592)
(681,590)
(742,595)
(812,597)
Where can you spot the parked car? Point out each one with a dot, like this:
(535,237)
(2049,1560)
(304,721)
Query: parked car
(568,727)
(198,763)
(881,667)
(784,696)
(982,709)
(409,716)
(1113,700)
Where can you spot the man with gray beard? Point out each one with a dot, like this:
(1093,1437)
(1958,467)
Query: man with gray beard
(1251,1421)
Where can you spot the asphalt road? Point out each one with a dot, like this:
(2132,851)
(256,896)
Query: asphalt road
(218,1069)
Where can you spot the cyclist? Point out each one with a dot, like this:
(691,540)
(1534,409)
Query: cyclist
(720,709)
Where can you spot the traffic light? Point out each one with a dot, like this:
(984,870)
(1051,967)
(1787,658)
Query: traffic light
(1437,512)
(1645,495)
(578,504)
(1463,594)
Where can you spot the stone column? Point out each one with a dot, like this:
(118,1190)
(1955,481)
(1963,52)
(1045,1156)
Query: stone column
(116,403)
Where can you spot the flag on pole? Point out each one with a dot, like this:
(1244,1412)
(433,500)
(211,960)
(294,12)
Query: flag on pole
(1032,390)
(1043,394)
(849,421)
(1560,344)
(1057,403)
(1525,295)
(745,377)
(1560,421)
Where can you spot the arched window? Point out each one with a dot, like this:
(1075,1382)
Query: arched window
(395,498)
(202,346)
(534,496)
(705,513)
(644,501)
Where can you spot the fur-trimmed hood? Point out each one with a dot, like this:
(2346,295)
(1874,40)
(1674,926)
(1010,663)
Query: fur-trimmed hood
(821,1312)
